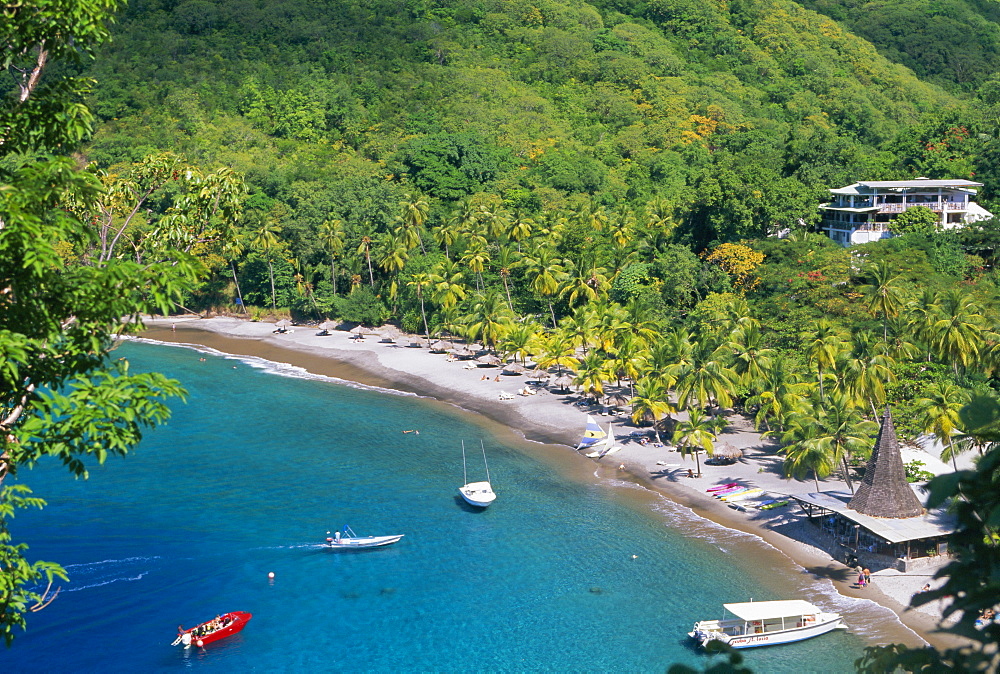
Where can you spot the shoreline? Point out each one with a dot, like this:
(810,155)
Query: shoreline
(553,418)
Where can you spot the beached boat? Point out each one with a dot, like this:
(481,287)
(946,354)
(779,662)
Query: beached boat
(593,434)
(766,623)
(348,540)
(609,446)
(479,494)
(225,625)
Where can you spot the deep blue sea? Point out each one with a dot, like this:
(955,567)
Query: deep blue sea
(261,461)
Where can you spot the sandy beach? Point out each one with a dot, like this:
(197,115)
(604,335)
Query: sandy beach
(557,417)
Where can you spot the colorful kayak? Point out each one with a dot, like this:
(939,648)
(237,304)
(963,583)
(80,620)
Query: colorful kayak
(749,493)
(776,504)
(720,494)
(225,625)
(723,487)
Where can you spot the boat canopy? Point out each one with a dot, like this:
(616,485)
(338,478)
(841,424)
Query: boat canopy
(768,610)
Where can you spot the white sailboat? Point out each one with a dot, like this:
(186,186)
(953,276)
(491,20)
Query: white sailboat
(593,435)
(479,494)
(608,446)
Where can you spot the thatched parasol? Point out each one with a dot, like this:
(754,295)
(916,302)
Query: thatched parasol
(463,352)
(439,346)
(328,325)
(283,323)
(726,450)
(513,368)
(489,360)
(563,382)
(389,333)
(360,330)
(539,375)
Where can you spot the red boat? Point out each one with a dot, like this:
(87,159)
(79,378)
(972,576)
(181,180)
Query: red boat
(225,625)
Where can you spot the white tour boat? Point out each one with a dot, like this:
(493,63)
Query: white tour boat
(765,623)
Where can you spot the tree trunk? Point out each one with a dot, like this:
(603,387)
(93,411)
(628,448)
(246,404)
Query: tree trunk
(239,293)
(274,296)
(847,474)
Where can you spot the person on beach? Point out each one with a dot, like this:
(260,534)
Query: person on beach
(861,578)
(868,577)
(926,587)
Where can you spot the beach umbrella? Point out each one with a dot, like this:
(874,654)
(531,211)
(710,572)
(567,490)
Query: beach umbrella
(727,450)
(489,360)
(328,325)
(513,368)
(563,382)
(360,330)
(439,346)
(283,323)
(539,375)
(389,333)
(463,352)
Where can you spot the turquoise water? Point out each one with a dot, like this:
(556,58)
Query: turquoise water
(255,468)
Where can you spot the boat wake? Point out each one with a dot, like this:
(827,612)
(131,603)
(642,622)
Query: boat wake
(89,575)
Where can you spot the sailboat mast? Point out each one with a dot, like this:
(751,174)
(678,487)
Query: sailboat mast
(484,460)
(465,472)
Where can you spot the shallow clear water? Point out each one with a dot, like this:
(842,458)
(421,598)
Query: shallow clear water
(255,468)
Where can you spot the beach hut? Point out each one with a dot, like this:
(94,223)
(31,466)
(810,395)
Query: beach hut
(884,491)
(883,524)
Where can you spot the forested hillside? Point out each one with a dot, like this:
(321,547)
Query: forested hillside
(738,115)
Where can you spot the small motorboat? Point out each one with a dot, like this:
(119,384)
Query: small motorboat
(478,494)
(348,540)
(225,625)
(766,623)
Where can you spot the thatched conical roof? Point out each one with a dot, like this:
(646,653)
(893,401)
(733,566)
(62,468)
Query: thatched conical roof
(885,492)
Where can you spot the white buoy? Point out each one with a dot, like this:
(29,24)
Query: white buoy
(635,556)
(270,575)
(200,643)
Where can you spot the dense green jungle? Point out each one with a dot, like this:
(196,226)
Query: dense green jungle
(592,184)
(595,187)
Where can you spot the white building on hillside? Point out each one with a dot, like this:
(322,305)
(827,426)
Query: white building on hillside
(863,212)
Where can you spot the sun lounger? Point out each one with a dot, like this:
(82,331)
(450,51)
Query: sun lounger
(506,396)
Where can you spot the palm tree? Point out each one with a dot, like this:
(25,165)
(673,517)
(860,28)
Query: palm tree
(939,409)
(415,208)
(448,283)
(958,334)
(651,403)
(419,282)
(705,378)
(781,396)
(822,348)
(520,228)
(506,259)
(545,270)
(694,435)
(593,372)
(265,239)
(448,232)
(331,234)
(584,281)
(520,340)
(806,456)
(886,298)
(751,358)
(488,319)
(557,349)
(366,247)
(837,428)
(866,369)
(476,258)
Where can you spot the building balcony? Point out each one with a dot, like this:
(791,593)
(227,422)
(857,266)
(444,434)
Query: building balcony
(882,207)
